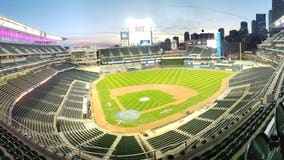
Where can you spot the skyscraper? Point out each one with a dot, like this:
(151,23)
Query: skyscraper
(222,33)
(254,27)
(270,21)
(176,39)
(186,36)
(277,9)
(167,46)
(194,36)
(244,28)
(234,37)
(261,22)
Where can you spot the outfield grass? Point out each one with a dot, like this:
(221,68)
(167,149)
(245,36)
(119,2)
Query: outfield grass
(205,82)
(156,98)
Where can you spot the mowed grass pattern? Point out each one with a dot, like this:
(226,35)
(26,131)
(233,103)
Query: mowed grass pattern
(205,82)
(156,98)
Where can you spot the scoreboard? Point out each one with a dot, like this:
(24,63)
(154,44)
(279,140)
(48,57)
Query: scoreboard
(139,32)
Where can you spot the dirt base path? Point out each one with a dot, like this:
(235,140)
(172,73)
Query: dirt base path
(100,120)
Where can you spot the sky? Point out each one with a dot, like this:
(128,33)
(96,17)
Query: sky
(101,21)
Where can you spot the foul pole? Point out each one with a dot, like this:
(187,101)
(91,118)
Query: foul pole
(240,51)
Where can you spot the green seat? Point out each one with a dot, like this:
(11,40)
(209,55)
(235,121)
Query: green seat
(279,122)
(258,148)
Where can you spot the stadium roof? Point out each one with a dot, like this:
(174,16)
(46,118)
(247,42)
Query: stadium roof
(14,25)
(279,23)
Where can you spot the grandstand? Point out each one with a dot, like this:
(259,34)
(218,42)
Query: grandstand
(272,48)
(45,111)
(197,52)
(43,114)
(128,54)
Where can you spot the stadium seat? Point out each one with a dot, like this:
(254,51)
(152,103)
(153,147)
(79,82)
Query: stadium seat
(182,152)
(258,148)
(274,141)
(170,157)
(2,154)
(279,122)
(6,158)
(196,158)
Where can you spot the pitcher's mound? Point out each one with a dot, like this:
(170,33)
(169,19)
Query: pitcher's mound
(128,115)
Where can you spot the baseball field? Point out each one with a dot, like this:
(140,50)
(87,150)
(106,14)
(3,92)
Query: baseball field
(137,98)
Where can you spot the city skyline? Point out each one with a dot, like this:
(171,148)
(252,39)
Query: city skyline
(102,21)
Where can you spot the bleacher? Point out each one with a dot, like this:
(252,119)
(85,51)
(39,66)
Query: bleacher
(117,55)
(124,51)
(128,145)
(77,134)
(75,98)
(198,52)
(24,49)
(144,49)
(272,48)
(207,53)
(16,58)
(212,114)
(279,37)
(99,146)
(134,50)
(115,52)
(154,49)
(167,141)
(37,112)
(194,126)
(189,50)
(45,122)
(104,52)
(13,148)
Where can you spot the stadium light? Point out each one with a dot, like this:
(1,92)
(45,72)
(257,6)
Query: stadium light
(139,31)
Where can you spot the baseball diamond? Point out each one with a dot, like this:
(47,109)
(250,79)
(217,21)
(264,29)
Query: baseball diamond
(171,92)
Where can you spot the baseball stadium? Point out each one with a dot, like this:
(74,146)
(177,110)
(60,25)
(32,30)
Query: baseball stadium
(137,102)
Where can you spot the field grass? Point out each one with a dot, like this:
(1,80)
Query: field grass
(205,82)
(157,98)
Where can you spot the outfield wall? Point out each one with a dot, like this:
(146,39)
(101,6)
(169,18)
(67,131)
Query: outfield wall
(173,63)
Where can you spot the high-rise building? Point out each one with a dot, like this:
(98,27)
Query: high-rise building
(261,22)
(206,36)
(234,37)
(244,28)
(270,21)
(194,36)
(277,9)
(167,45)
(254,27)
(176,39)
(186,36)
(222,33)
